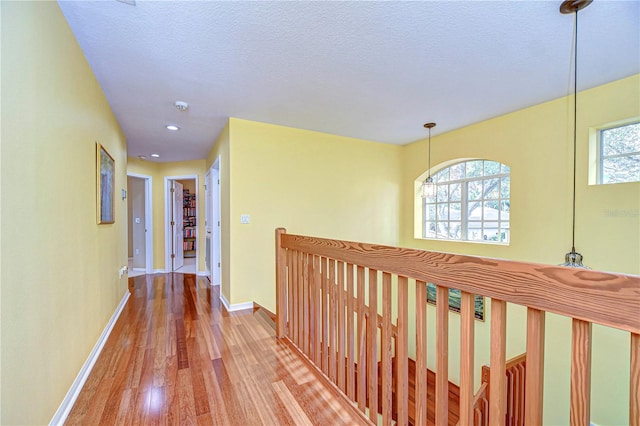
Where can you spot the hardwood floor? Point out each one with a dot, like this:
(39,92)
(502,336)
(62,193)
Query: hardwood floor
(175,356)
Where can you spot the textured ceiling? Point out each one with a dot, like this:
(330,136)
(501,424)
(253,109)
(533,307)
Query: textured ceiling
(370,70)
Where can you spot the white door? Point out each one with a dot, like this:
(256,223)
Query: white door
(177,226)
(215,224)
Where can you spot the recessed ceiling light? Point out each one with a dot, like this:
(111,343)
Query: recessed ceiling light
(142,157)
(172,127)
(155,155)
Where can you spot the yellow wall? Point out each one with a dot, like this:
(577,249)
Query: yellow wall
(59,277)
(158,172)
(308,182)
(537,144)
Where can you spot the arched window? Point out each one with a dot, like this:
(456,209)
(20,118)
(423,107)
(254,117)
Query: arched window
(472,203)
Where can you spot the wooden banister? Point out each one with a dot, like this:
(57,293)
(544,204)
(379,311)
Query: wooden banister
(335,303)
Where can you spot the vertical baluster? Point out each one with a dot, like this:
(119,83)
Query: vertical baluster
(534,372)
(332,320)
(634,381)
(341,326)
(281,283)
(325,314)
(497,380)
(317,316)
(306,282)
(442,357)
(402,365)
(467,310)
(312,306)
(580,373)
(372,347)
(292,296)
(362,342)
(421,353)
(351,382)
(385,358)
(300,299)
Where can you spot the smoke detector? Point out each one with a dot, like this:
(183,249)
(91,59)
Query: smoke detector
(182,106)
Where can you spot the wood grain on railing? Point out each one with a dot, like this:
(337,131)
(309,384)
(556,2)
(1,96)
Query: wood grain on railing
(372,346)
(599,297)
(467,307)
(335,303)
(442,355)
(498,382)
(634,385)
(535,367)
(580,413)
(421,353)
(402,354)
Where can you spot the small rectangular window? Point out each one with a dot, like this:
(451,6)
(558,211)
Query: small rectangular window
(619,154)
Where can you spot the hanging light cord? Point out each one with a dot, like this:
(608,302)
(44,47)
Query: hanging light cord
(575,126)
(429,160)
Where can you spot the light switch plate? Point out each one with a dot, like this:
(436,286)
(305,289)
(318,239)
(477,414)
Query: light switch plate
(245,218)
(137,220)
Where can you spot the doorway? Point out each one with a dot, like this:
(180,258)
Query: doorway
(181,209)
(212,212)
(140,226)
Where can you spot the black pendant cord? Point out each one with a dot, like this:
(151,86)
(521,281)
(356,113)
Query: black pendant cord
(429,162)
(575,127)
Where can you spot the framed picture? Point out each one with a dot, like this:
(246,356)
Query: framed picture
(454,301)
(106,185)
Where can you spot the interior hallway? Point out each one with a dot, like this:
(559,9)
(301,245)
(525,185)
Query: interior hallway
(175,356)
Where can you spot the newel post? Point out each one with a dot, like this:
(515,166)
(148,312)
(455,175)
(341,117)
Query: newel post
(281,284)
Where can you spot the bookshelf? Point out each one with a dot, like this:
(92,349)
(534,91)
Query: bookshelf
(189,221)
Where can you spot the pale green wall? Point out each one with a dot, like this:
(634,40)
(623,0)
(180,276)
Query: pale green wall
(59,274)
(158,172)
(537,144)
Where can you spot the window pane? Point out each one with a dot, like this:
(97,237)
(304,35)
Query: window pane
(504,233)
(431,212)
(455,230)
(621,140)
(443,230)
(430,229)
(505,185)
(474,168)
(621,169)
(490,231)
(474,190)
(455,193)
(491,168)
(474,231)
(490,210)
(504,168)
(458,171)
(455,211)
(442,193)
(443,211)
(491,187)
(474,211)
(442,176)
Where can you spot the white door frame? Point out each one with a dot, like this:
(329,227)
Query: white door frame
(215,220)
(148,220)
(167,219)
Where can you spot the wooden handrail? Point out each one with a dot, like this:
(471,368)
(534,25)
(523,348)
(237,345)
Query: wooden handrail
(335,301)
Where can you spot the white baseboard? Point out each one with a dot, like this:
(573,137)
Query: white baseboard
(237,306)
(159,271)
(139,269)
(202,273)
(61,414)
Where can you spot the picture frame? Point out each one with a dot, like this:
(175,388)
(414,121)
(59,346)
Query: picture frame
(105,177)
(454,301)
